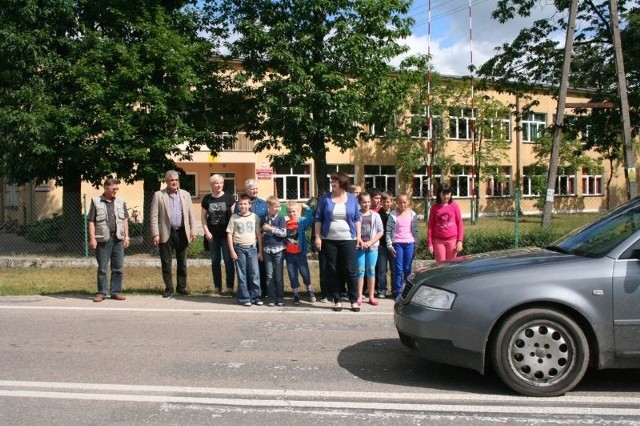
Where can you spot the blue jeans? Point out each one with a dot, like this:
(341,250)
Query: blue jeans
(404,259)
(274,268)
(248,275)
(297,263)
(216,246)
(383,265)
(112,252)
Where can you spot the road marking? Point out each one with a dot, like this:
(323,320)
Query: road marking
(454,402)
(242,310)
(357,405)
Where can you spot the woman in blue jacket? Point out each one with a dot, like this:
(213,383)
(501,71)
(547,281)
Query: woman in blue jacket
(337,229)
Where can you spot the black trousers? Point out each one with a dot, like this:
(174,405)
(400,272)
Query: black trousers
(177,242)
(340,260)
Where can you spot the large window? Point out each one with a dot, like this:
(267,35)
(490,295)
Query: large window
(12,196)
(592,182)
(461,181)
(293,183)
(498,127)
(499,184)
(533,180)
(566,181)
(421,182)
(460,123)
(349,169)
(380,177)
(533,126)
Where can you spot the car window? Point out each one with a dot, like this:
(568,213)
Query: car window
(600,237)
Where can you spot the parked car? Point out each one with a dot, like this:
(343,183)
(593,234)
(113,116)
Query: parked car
(538,316)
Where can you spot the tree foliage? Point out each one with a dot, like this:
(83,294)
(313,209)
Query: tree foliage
(92,88)
(319,71)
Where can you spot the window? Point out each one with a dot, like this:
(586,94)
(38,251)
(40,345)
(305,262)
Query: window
(349,169)
(12,196)
(499,184)
(534,180)
(565,181)
(188,182)
(533,126)
(499,127)
(421,182)
(460,125)
(420,123)
(378,129)
(381,177)
(592,182)
(461,181)
(293,183)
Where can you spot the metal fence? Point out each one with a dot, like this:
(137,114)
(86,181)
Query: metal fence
(48,232)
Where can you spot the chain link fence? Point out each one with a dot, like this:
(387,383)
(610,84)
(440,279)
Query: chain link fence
(46,229)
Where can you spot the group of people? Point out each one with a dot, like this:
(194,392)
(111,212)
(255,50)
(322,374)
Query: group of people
(358,236)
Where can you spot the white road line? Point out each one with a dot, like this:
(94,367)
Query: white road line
(252,311)
(279,403)
(468,398)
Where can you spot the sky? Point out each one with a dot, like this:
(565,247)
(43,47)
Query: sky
(450,47)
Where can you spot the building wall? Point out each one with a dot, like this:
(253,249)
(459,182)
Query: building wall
(239,163)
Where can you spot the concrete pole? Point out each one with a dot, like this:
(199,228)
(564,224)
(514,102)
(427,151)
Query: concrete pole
(557,125)
(629,155)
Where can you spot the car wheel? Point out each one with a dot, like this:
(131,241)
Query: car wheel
(540,352)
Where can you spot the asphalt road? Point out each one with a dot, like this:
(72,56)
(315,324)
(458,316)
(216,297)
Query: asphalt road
(206,360)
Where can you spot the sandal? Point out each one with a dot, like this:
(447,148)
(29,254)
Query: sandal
(355,307)
(337,307)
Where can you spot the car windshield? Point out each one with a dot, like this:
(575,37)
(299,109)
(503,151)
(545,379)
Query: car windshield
(598,238)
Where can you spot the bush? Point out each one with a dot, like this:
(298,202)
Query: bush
(43,231)
(483,240)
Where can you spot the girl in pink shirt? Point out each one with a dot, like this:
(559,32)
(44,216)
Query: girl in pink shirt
(444,229)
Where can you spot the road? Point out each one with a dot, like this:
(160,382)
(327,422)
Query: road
(204,360)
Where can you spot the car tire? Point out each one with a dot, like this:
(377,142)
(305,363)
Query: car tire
(540,352)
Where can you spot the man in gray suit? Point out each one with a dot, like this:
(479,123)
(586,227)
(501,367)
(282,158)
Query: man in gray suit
(173,223)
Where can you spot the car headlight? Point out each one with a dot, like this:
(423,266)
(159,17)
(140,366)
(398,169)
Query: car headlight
(433,298)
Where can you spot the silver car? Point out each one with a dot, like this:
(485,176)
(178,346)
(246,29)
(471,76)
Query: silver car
(538,316)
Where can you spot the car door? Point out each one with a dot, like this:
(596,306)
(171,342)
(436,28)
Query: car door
(626,302)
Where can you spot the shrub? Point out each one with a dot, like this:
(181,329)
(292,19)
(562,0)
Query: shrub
(42,231)
(196,250)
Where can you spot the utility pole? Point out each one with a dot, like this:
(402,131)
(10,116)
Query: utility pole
(629,156)
(557,125)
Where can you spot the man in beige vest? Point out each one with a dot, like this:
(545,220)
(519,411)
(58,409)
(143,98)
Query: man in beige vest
(109,236)
(173,223)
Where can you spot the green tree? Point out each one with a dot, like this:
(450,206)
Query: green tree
(534,59)
(319,70)
(96,88)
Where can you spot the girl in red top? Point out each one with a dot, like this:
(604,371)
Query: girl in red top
(444,229)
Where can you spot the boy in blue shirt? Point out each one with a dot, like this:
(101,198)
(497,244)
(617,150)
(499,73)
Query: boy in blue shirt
(273,244)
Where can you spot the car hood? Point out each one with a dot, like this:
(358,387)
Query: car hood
(484,263)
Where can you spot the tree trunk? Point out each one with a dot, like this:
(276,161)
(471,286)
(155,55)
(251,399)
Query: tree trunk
(73,223)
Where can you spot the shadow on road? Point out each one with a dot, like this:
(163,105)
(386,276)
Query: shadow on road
(388,361)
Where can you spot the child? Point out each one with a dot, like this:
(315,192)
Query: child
(444,229)
(243,234)
(376,199)
(385,262)
(402,234)
(367,252)
(296,249)
(273,241)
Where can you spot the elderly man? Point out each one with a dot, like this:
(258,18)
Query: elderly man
(109,236)
(173,226)
(259,207)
